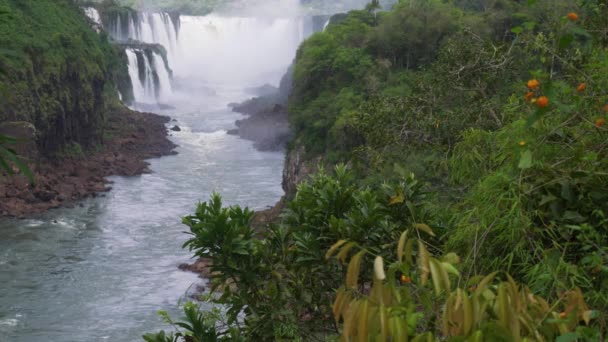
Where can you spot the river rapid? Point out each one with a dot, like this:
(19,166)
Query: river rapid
(101,270)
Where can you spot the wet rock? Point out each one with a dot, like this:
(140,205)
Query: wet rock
(201,266)
(44,195)
(62,181)
(176,128)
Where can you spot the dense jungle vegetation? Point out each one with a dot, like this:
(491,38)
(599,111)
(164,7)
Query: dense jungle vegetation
(54,68)
(471,201)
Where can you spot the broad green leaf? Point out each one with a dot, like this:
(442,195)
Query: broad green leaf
(569,337)
(525,161)
(517,29)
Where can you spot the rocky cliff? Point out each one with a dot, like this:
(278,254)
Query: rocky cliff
(58,74)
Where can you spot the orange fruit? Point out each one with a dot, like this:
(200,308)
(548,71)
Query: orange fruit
(581,87)
(542,102)
(533,84)
(600,122)
(572,16)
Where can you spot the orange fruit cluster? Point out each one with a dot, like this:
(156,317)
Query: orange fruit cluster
(533,85)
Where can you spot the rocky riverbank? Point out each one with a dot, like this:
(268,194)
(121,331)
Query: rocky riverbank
(129,138)
(268,122)
(267,125)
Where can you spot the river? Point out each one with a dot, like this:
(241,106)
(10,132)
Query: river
(101,270)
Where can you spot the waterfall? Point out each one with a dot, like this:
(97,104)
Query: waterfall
(237,50)
(204,50)
(326,24)
(164,90)
(149,75)
(93,14)
(146,27)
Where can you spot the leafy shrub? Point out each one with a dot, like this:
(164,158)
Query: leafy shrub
(279,284)
(195,326)
(398,306)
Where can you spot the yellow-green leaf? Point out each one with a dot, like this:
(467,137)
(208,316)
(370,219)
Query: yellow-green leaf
(425,228)
(383,322)
(349,319)
(333,248)
(484,283)
(441,281)
(338,302)
(362,324)
(352,273)
(423,262)
(344,251)
(452,258)
(468,313)
(503,306)
(397,329)
(450,268)
(399,198)
(401,245)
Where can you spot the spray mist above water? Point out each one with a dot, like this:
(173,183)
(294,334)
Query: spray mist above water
(263,8)
(246,43)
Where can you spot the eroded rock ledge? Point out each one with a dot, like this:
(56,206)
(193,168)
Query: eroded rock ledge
(129,138)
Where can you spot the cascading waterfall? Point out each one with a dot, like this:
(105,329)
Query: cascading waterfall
(326,24)
(149,76)
(93,14)
(238,50)
(158,28)
(146,27)
(205,50)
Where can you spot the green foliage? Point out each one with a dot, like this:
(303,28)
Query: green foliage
(196,326)
(401,306)
(525,182)
(8,156)
(283,280)
(361,57)
(279,279)
(71,150)
(189,7)
(509,182)
(60,74)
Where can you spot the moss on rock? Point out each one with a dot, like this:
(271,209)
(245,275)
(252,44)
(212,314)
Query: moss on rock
(58,73)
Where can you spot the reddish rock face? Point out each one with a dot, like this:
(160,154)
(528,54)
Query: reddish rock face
(59,181)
